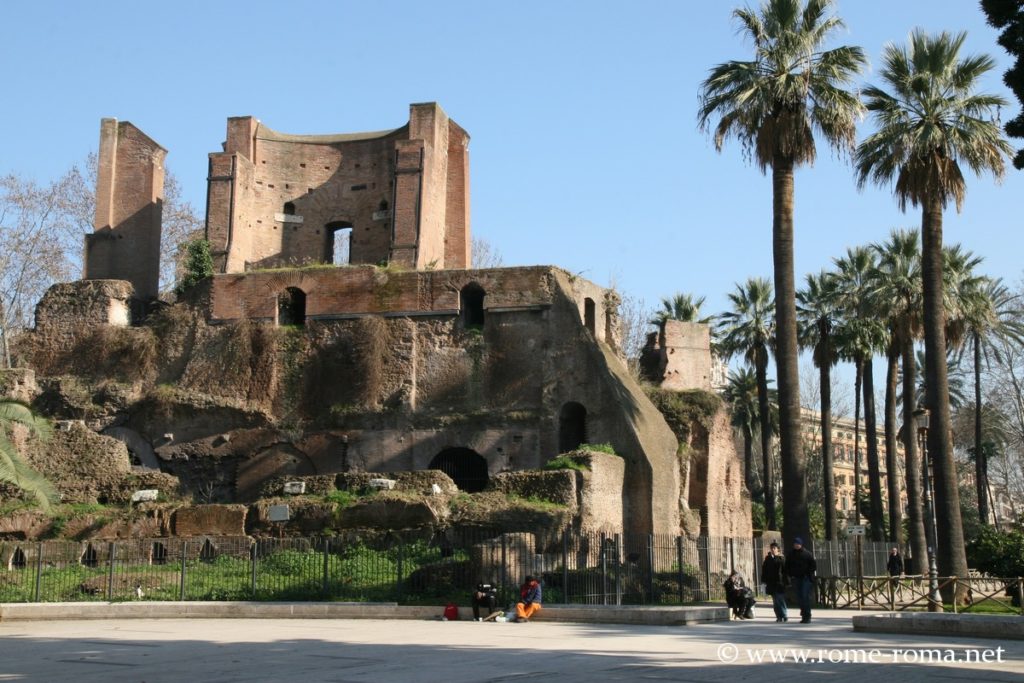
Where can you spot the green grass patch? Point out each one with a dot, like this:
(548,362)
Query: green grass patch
(565,462)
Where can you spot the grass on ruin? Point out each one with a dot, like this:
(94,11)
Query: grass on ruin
(565,462)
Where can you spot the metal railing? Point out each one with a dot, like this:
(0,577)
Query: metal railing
(414,568)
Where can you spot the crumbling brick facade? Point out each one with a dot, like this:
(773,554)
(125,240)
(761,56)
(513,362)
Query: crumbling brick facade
(129,209)
(399,196)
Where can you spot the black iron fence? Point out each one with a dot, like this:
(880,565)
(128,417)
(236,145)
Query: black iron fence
(407,567)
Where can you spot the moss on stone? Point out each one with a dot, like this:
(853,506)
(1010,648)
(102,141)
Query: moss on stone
(683,408)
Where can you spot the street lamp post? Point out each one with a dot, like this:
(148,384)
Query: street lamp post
(934,599)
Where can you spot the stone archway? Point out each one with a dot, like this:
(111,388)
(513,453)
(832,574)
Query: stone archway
(466,467)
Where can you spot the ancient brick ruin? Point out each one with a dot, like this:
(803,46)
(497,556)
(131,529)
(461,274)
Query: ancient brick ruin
(343,333)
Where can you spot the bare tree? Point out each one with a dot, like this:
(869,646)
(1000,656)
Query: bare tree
(42,228)
(485,254)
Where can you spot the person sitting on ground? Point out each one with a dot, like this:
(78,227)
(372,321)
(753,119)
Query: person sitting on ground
(485,595)
(738,596)
(530,599)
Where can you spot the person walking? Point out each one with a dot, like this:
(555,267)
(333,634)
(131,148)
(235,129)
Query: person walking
(895,563)
(801,566)
(775,579)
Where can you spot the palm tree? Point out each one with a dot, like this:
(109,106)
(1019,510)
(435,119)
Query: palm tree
(683,307)
(818,315)
(748,330)
(991,314)
(929,122)
(861,336)
(897,295)
(13,469)
(772,105)
(741,394)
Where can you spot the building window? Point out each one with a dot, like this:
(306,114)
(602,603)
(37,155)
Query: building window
(471,304)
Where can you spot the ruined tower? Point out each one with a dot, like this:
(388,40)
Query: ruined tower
(398,196)
(129,209)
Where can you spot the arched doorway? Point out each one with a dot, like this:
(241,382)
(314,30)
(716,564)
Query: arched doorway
(291,307)
(466,467)
(572,427)
(339,243)
(471,303)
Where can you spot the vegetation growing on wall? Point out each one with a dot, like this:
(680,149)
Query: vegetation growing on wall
(198,265)
(682,409)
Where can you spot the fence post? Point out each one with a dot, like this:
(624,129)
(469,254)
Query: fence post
(604,569)
(679,562)
(706,565)
(618,569)
(650,566)
(504,567)
(184,569)
(253,557)
(398,578)
(565,566)
(732,556)
(327,569)
(111,550)
(39,569)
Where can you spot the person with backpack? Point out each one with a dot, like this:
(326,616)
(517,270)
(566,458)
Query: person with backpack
(530,599)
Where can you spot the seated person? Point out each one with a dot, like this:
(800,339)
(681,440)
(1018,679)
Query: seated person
(738,596)
(485,595)
(530,598)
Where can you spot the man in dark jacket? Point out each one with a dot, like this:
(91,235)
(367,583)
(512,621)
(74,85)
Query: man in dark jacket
(738,596)
(895,563)
(485,595)
(800,566)
(775,579)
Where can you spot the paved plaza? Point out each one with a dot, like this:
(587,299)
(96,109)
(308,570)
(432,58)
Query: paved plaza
(343,651)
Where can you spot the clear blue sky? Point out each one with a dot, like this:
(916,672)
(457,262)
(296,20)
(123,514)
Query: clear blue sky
(585,151)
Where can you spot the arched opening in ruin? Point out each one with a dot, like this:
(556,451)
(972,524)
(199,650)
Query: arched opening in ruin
(466,467)
(572,427)
(471,305)
(291,307)
(289,209)
(18,559)
(339,243)
(589,315)
(208,553)
(90,558)
(158,553)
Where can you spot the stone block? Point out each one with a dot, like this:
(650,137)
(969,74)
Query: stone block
(210,520)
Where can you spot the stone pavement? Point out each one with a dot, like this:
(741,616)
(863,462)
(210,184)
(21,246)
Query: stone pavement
(351,651)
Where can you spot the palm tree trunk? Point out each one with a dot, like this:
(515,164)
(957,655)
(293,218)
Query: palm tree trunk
(857,378)
(828,476)
(748,457)
(877,514)
(915,500)
(951,554)
(980,456)
(767,476)
(891,468)
(796,520)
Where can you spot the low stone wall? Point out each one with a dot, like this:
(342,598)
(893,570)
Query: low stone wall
(556,486)
(214,520)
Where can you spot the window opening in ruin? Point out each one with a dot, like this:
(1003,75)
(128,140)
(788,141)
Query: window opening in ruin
(291,307)
(18,559)
(383,206)
(572,427)
(159,553)
(339,243)
(90,557)
(471,303)
(466,467)
(289,208)
(589,313)
(208,552)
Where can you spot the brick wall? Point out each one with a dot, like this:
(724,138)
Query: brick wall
(129,208)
